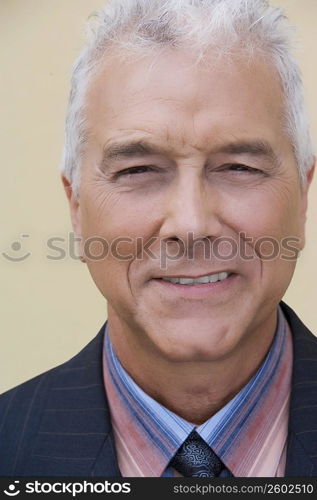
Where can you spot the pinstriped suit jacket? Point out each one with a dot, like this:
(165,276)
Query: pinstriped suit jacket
(58,423)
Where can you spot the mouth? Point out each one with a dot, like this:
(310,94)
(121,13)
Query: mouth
(215,286)
(196,281)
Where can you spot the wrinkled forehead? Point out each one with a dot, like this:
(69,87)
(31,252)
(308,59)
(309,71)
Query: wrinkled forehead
(125,64)
(172,90)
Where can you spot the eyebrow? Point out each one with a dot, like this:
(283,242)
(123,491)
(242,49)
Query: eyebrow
(253,148)
(137,148)
(129,149)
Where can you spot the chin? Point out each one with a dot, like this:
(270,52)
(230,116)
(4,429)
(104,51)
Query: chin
(182,342)
(186,352)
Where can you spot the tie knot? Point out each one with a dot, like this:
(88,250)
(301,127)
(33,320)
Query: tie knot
(196,459)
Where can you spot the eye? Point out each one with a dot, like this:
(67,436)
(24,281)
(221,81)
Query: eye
(141,169)
(238,167)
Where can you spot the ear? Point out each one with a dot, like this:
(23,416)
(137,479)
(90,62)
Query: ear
(310,173)
(74,206)
(309,178)
(304,202)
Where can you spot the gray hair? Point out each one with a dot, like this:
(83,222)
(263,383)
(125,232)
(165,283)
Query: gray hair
(145,26)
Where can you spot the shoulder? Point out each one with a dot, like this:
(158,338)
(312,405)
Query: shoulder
(302,440)
(22,408)
(304,350)
(302,336)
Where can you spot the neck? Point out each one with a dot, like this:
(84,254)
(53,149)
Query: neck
(194,390)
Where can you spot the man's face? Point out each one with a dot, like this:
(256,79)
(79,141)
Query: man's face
(181,153)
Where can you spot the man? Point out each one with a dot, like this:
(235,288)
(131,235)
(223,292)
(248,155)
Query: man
(187,165)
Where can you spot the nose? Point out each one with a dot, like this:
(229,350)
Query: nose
(191,207)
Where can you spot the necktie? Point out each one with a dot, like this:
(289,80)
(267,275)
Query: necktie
(196,459)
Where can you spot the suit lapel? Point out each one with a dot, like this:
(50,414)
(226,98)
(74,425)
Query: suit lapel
(302,444)
(106,463)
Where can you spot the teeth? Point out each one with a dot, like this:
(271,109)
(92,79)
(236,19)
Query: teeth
(186,281)
(173,280)
(203,279)
(211,278)
(223,276)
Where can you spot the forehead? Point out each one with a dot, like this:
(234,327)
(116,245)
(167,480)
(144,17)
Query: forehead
(177,99)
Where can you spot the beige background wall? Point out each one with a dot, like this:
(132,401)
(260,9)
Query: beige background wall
(50,309)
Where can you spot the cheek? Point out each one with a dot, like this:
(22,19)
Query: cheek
(111,278)
(268,222)
(115,228)
(276,236)
(267,213)
(116,214)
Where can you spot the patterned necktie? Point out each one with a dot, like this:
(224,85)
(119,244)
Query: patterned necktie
(196,459)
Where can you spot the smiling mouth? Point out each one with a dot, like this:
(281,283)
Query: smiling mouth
(208,278)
